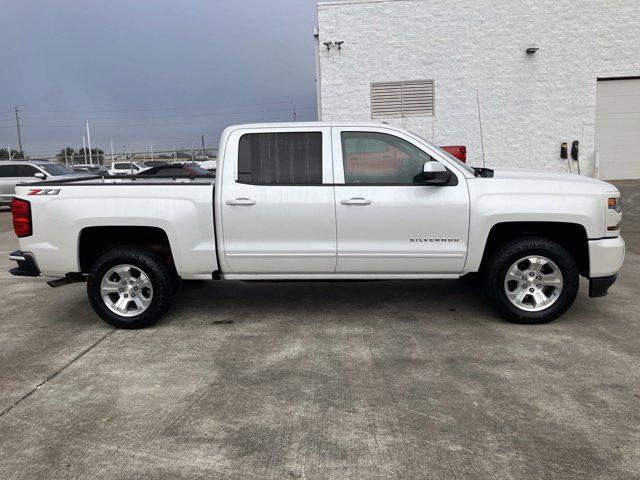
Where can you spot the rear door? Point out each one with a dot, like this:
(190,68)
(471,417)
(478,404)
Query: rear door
(277,202)
(387,221)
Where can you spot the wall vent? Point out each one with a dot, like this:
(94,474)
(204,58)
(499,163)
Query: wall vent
(402,99)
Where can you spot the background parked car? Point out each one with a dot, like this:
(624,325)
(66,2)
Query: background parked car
(155,163)
(25,171)
(209,165)
(93,169)
(127,168)
(177,170)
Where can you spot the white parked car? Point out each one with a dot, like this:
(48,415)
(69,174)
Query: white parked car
(209,165)
(324,201)
(127,168)
(13,172)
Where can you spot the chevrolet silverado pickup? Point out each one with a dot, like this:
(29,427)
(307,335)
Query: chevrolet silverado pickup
(323,201)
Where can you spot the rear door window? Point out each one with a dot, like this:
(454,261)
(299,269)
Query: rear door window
(282,158)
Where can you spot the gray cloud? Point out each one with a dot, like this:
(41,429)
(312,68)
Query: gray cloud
(146,72)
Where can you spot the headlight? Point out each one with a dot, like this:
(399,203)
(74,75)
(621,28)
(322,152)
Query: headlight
(614,203)
(613,217)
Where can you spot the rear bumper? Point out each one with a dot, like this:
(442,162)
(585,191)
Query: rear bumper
(27,266)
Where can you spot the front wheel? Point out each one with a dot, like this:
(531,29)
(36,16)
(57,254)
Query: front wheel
(131,287)
(531,280)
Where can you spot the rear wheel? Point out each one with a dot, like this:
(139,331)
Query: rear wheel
(531,280)
(131,287)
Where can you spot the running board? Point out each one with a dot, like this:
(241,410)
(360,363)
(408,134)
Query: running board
(69,278)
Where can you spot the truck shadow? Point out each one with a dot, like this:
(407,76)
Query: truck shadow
(242,302)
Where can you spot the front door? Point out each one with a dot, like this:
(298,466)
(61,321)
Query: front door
(387,221)
(278,214)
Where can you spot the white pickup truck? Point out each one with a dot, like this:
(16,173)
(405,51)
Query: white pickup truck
(323,201)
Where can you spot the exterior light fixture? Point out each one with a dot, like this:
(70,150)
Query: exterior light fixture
(532,50)
(327,44)
(338,44)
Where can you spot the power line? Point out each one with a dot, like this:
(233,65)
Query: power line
(169,108)
(177,115)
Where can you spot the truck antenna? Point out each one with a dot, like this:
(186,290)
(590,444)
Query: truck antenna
(480,122)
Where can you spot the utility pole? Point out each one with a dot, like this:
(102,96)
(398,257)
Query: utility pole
(89,142)
(18,127)
(203,148)
(111,152)
(151,152)
(84,149)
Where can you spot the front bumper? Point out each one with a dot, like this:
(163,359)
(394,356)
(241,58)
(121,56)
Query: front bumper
(27,266)
(605,259)
(605,256)
(598,287)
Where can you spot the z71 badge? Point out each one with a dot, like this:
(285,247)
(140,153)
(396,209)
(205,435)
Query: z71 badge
(44,191)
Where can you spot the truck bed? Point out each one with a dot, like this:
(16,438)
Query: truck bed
(64,211)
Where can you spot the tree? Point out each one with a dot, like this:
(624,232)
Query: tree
(65,154)
(96,155)
(14,154)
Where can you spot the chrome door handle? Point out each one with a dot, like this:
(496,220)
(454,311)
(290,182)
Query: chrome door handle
(241,201)
(356,201)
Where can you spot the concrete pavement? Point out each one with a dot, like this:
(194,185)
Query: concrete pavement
(343,380)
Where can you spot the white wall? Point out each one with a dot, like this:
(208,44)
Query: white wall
(529,103)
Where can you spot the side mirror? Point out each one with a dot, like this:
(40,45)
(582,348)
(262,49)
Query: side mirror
(40,175)
(434,173)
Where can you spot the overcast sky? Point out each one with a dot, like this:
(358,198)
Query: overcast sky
(145,72)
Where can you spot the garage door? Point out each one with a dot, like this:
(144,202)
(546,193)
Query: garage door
(618,128)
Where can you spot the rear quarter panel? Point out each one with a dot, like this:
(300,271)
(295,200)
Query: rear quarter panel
(183,211)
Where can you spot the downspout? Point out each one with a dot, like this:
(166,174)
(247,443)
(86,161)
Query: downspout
(316,36)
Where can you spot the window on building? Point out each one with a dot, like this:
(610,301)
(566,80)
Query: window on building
(280,158)
(370,157)
(402,99)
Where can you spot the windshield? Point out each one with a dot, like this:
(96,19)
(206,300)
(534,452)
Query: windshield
(56,170)
(196,170)
(448,155)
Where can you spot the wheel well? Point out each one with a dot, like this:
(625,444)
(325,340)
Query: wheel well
(571,236)
(96,241)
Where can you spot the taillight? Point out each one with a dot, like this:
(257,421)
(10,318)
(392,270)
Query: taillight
(21,211)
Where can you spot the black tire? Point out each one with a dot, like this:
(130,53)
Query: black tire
(500,260)
(161,275)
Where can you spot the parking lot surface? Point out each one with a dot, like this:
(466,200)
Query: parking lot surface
(345,380)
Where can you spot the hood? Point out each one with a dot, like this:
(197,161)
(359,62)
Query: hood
(544,176)
(57,178)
